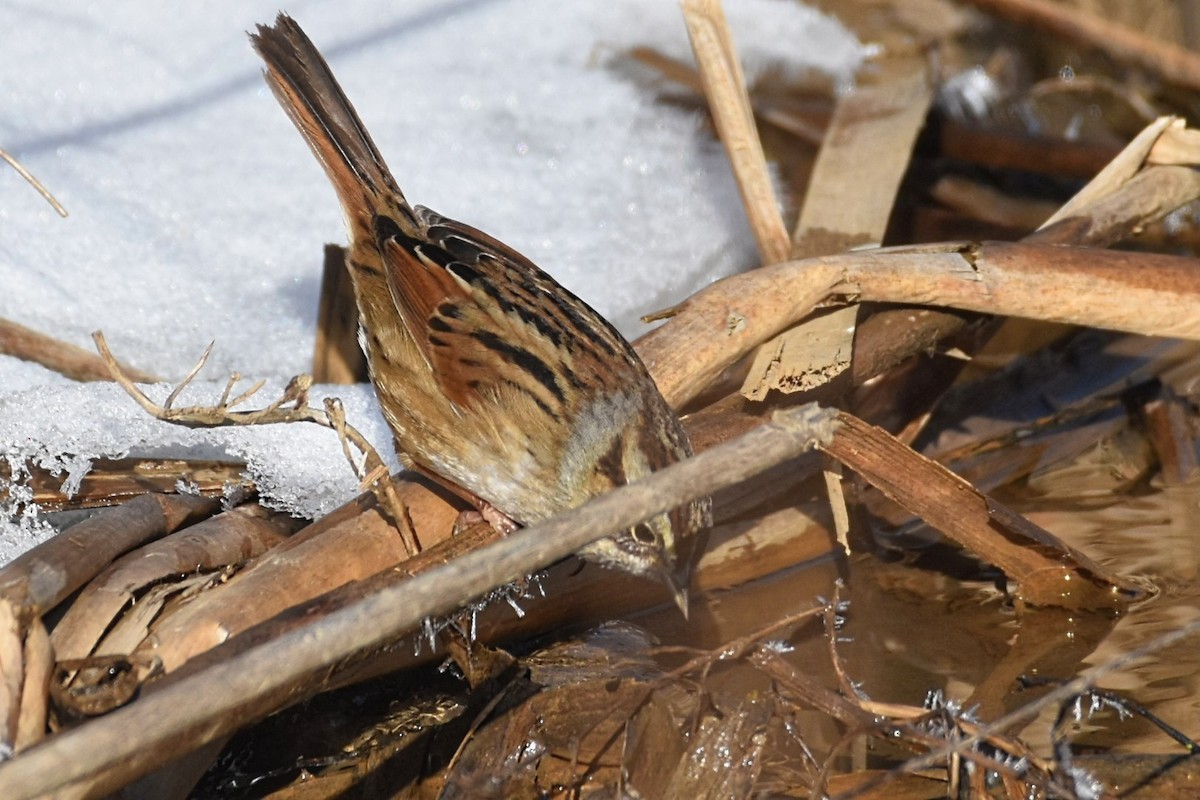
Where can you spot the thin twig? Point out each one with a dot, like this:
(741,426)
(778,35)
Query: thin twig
(296,393)
(34,182)
(174,395)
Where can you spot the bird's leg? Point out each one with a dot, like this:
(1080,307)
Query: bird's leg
(483,511)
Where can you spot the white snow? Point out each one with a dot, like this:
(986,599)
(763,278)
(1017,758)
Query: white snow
(197,212)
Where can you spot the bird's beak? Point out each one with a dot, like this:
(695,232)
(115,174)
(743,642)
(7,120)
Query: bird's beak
(678,586)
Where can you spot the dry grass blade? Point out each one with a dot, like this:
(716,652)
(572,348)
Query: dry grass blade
(867,150)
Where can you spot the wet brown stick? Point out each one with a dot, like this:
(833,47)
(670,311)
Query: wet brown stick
(1024,551)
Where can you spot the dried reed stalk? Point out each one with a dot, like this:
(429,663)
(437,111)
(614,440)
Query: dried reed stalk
(725,87)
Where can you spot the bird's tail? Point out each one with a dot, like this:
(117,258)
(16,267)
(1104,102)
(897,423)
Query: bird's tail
(307,90)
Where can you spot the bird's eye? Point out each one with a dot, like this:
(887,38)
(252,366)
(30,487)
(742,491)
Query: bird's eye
(643,535)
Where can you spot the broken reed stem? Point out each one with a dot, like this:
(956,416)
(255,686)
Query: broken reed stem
(193,711)
(725,88)
(1118,171)
(1150,195)
(1077,285)
(296,394)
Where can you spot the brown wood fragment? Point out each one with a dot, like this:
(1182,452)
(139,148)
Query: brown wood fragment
(1168,425)
(1178,146)
(991,205)
(1051,572)
(62,357)
(38,664)
(337,358)
(891,335)
(864,156)
(12,673)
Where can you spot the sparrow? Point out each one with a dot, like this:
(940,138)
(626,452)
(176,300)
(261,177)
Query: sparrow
(495,380)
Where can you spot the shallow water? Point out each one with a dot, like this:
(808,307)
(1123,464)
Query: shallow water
(910,630)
